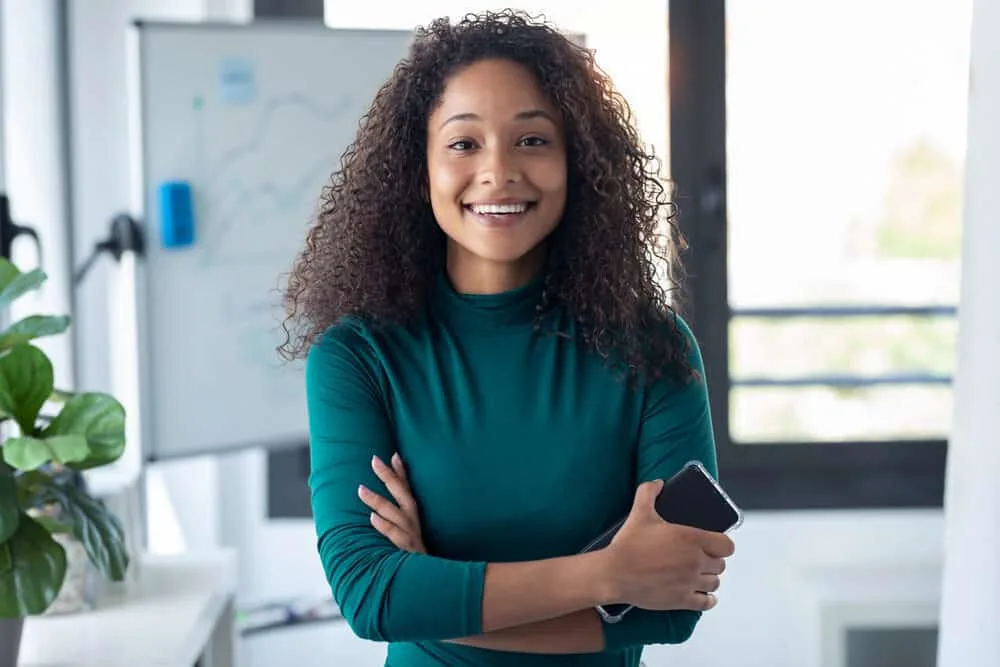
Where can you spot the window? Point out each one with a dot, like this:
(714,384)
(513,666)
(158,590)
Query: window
(820,149)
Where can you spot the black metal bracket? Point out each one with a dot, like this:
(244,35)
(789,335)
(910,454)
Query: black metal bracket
(124,235)
(10,230)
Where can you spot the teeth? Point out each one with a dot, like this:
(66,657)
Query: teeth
(499,209)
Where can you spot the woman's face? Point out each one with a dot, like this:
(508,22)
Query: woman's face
(496,164)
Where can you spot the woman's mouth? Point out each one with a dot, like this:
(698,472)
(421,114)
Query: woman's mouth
(499,214)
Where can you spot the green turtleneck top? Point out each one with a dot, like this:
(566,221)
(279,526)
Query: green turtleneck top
(519,445)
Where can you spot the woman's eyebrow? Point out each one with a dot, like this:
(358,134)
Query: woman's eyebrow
(520,115)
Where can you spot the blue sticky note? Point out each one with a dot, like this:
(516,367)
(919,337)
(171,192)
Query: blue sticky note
(176,214)
(237,81)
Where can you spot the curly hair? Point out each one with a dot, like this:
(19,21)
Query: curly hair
(374,248)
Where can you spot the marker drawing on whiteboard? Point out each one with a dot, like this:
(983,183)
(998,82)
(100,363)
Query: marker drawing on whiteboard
(237,82)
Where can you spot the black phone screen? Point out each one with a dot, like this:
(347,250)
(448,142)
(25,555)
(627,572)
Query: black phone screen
(691,498)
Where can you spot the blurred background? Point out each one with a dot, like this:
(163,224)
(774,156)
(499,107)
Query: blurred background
(820,152)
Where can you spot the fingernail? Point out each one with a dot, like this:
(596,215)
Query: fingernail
(376,462)
(395,457)
(362,490)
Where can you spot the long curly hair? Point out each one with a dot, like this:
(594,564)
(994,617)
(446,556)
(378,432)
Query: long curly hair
(374,248)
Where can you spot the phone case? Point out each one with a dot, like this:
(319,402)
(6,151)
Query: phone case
(615,613)
(700,467)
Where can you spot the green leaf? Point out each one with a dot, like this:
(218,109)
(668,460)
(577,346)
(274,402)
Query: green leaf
(28,453)
(31,327)
(98,529)
(32,488)
(25,384)
(67,449)
(10,513)
(32,569)
(53,525)
(97,417)
(15,284)
(7,272)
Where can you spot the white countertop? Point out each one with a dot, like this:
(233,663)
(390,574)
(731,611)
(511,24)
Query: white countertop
(178,607)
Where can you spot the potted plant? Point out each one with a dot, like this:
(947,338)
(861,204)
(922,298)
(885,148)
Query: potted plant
(49,437)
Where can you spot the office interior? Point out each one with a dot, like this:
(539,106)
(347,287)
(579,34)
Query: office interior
(835,166)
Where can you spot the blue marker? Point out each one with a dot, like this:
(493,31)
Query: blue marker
(176,214)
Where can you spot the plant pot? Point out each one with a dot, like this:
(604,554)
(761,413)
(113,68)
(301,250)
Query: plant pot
(10,640)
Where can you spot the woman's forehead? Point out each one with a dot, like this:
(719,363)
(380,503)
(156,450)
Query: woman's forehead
(492,88)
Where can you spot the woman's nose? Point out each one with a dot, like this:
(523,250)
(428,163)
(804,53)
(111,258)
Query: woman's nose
(499,168)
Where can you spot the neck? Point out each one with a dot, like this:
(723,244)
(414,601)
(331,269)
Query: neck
(475,275)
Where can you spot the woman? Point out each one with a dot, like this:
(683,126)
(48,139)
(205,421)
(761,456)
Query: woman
(479,299)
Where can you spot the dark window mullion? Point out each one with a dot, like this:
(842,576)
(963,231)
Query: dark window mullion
(697,167)
(288,9)
(759,475)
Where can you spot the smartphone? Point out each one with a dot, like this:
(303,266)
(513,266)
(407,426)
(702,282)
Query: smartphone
(691,497)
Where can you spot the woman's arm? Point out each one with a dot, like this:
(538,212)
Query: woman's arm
(676,428)
(399,520)
(518,593)
(386,594)
(579,632)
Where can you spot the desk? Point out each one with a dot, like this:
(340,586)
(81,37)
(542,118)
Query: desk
(180,613)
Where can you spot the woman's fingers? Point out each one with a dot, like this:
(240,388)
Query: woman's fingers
(401,538)
(708,583)
(397,486)
(399,521)
(701,601)
(384,508)
(400,469)
(715,566)
(710,578)
(391,522)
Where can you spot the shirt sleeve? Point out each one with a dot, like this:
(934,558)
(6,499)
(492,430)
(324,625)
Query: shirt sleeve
(676,428)
(384,593)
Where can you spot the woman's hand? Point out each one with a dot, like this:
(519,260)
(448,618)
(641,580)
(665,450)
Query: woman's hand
(399,521)
(653,564)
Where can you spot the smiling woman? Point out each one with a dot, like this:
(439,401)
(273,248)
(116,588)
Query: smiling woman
(494,375)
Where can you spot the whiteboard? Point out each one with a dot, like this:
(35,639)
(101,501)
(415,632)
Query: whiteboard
(254,117)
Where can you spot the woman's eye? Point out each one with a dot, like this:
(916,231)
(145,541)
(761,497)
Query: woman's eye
(533,141)
(461,145)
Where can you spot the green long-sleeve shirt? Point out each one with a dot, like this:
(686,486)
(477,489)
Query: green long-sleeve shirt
(519,446)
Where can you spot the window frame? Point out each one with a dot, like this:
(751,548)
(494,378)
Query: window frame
(760,476)
(289,9)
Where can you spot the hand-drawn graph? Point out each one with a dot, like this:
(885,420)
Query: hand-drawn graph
(253,198)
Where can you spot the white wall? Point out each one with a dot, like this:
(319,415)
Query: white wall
(3,143)
(786,564)
(100,152)
(971,605)
(33,153)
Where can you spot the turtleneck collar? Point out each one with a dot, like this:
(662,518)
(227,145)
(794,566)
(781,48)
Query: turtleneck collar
(511,307)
